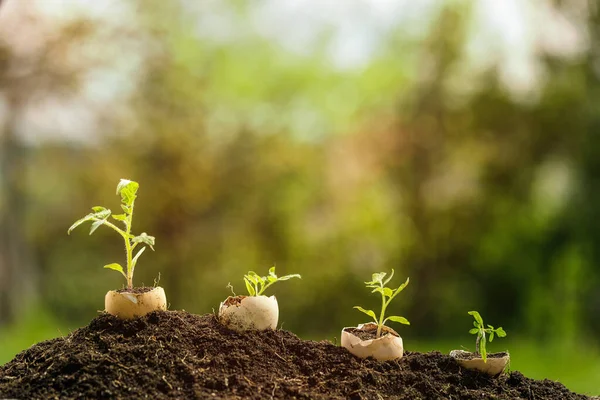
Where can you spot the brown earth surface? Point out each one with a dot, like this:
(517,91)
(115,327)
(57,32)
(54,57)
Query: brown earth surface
(177,355)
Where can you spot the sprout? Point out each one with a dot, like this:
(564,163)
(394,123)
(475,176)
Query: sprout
(128,191)
(480,331)
(387,295)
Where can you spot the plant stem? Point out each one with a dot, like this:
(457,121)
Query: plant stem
(477,341)
(128,248)
(380,323)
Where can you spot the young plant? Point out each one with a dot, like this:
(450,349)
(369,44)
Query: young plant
(387,295)
(256,284)
(128,191)
(480,330)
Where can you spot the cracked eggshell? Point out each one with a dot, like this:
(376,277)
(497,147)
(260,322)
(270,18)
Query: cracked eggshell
(127,305)
(387,347)
(493,366)
(243,313)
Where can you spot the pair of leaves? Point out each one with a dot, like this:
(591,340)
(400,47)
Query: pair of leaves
(394,318)
(256,284)
(99,216)
(119,268)
(378,285)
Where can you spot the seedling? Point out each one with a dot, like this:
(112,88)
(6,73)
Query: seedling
(128,191)
(480,331)
(387,295)
(256,284)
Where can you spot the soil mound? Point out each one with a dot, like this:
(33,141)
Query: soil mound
(177,355)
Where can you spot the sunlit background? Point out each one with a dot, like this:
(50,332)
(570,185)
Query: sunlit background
(457,142)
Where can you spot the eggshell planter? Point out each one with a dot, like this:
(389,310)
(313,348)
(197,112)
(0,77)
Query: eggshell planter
(129,305)
(244,313)
(387,347)
(495,364)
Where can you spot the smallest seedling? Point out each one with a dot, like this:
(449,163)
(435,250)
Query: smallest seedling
(387,295)
(480,330)
(256,284)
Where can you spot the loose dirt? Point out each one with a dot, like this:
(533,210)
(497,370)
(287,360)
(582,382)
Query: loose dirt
(177,355)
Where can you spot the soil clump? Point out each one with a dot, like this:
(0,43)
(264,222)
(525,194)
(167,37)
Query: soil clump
(177,355)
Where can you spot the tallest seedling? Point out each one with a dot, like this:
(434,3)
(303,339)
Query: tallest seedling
(128,191)
(129,302)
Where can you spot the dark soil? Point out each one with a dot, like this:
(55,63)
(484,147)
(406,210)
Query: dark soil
(136,290)
(469,356)
(366,334)
(173,354)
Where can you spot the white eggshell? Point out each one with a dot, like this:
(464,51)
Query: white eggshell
(492,366)
(387,347)
(127,305)
(249,313)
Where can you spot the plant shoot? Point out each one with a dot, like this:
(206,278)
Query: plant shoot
(480,330)
(128,191)
(256,284)
(387,295)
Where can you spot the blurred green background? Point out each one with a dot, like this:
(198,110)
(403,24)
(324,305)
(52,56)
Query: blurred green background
(457,142)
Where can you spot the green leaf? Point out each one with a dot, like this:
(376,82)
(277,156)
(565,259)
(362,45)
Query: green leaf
(88,217)
(260,280)
(271,278)
(376,278)
(491,336)
(249,287)
(477,317)
(126,209)
(272,271)
(127,189)
(401,287)
(476,324)
(98,209)
(389,278)
(474,331)
(378,289)
(388,292)
(144,238)
(500,332)
(368,312)
(116,267)
(286,277)
(120,217)
(95,225)
(134,260)
(401,320)
(251,276)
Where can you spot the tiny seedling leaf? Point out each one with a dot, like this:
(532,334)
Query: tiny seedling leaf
(134,260)
(491,336)
(88,217)
(477,317)
(368,312)
(389,278)
(401,320)
(98,209)
(474,331)
(500,332)
(120,217)
(144,238)
(95,225)
(286,277)
(388,292)
(116,267)
(249,286)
